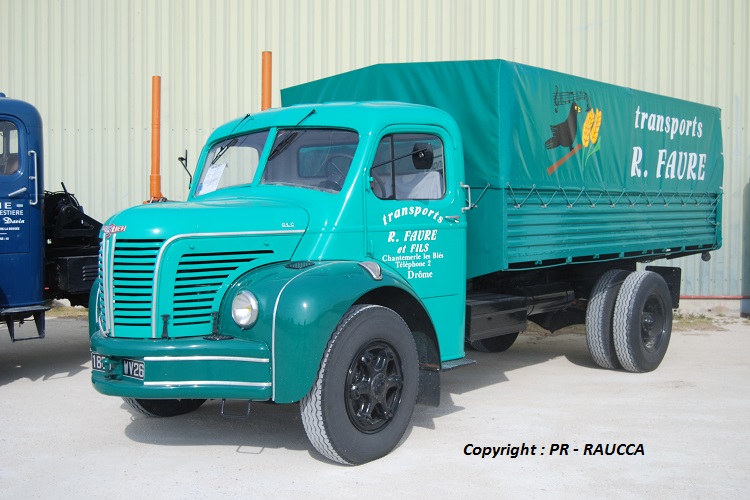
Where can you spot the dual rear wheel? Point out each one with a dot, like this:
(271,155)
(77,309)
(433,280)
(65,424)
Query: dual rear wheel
(629,320)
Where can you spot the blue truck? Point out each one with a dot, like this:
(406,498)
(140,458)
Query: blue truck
(48,245)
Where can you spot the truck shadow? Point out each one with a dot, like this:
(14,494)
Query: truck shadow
(495,369)
(63,353)
(267,426)
(280,426)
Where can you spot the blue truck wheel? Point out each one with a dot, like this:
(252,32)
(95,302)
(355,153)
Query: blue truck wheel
(364,396)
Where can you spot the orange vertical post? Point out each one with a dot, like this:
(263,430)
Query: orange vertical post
(155,184)
(265,97)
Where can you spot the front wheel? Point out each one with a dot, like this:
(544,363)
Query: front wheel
(164,407)
(364,396)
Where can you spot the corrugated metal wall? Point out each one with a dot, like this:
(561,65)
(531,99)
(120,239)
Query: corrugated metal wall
(87,66)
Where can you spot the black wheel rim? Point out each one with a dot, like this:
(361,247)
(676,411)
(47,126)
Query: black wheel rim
(374,384)
(653,323)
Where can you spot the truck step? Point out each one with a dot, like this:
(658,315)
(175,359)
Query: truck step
(13,314)
(457,363)
(227,414)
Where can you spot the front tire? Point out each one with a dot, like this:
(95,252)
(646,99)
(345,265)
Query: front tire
(164,407)
(364,396)
(643,321)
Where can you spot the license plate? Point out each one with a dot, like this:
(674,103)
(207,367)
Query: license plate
(97,362)
(133,369)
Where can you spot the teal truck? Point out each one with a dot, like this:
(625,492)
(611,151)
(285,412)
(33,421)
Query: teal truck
(343,250)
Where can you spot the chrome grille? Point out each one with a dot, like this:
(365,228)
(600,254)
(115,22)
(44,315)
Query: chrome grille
(199,277)
(133,281)
(186,292)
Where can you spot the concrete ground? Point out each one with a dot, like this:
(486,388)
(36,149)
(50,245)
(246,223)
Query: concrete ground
(61,439)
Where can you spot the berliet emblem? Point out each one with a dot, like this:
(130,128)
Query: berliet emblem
(112,229)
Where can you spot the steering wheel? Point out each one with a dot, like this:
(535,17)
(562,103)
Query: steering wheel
(336,177)
(379,188)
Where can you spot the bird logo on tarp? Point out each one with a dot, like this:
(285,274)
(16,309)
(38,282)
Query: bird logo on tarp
(565,133)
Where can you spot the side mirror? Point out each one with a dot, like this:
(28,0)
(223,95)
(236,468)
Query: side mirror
(184,161)
(422,156)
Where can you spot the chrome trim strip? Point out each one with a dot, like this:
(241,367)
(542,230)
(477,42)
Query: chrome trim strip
(108,262)
(207,382)
(167,243)
(205,358)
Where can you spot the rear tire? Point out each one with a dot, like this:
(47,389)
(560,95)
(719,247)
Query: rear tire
(364,396)
(494,344)
(643,321)
(164,407)
(599,316)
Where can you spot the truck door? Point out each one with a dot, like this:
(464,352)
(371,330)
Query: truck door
(415,225)
(21,231)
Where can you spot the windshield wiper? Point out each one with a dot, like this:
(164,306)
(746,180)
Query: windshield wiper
(223,149)
(288,140)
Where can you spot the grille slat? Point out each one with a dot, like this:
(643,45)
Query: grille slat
(132,281)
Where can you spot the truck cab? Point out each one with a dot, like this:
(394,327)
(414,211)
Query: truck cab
(21,210)
(301,222)
(48,245)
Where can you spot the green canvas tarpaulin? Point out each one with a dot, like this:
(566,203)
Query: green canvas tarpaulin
(525,126)
(571,170)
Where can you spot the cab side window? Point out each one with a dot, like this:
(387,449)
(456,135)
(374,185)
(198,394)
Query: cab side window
(8,148)
(409,167)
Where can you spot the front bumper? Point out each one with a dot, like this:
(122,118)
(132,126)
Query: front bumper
(183,368)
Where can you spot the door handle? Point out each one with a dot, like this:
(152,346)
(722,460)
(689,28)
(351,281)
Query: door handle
(472,204)
(17,192)
(35,177)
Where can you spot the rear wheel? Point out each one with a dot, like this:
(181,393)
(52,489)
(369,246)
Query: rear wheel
(494,344)
(364,396)
(642,322)
(164,407)
(599,315)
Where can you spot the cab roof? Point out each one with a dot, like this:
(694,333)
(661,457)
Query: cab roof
(364,117)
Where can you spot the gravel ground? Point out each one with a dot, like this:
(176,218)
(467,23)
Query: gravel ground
(61,439)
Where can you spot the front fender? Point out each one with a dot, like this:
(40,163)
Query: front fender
(304,312)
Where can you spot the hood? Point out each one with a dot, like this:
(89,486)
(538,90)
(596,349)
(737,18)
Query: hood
(215,217)
(167,265)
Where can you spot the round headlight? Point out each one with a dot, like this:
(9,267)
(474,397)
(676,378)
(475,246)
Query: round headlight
(245,309)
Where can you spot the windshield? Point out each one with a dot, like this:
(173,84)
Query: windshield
(311,158)
(302,157)
(232,162)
